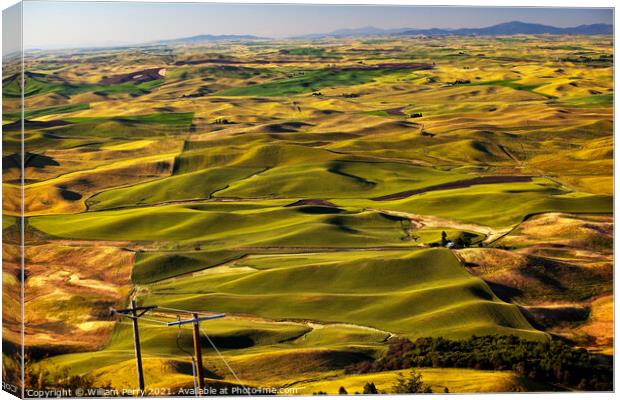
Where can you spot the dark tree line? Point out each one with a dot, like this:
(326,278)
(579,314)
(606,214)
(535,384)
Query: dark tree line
(554,361)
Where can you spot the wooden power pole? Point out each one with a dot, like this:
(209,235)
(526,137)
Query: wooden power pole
(198,352)
(134,315)
(197,348)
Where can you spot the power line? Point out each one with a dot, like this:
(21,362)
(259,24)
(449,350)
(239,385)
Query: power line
(179,310)
(153,320)
(197,356)
(131,324)
(136,313)
(194,377)
(225,362)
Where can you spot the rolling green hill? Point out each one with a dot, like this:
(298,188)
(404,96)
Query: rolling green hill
(415,293)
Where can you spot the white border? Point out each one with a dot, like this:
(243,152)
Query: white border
(483,3)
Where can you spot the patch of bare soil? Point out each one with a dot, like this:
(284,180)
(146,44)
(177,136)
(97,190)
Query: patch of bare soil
(559,269)
(312,202)
(481,180)
(537,279)
(586,236)
(397,112)
(589,324)
(420,221)
(145,75)
(68,292)
(599,327)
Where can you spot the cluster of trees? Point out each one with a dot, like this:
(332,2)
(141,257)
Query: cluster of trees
(411,384)
(602,59)
(462,241)
(554,361)
(460,82)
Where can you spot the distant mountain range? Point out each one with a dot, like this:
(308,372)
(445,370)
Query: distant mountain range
(365,31)
(517,28)
(504,29)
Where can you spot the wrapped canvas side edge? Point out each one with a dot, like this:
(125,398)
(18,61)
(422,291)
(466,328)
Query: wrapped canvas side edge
(13,152)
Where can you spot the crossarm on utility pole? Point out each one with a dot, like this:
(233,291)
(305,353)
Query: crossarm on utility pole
(131,312)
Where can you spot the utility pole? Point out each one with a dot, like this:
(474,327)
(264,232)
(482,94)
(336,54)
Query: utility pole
(198,352)
(197,348)
(134,315)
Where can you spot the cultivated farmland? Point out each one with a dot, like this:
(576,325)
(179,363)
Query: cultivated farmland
(330,196)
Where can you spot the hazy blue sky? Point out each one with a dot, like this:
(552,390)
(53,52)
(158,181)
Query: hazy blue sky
(11,29)
(65,24)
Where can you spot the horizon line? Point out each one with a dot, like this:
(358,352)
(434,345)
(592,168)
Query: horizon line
(307,36)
